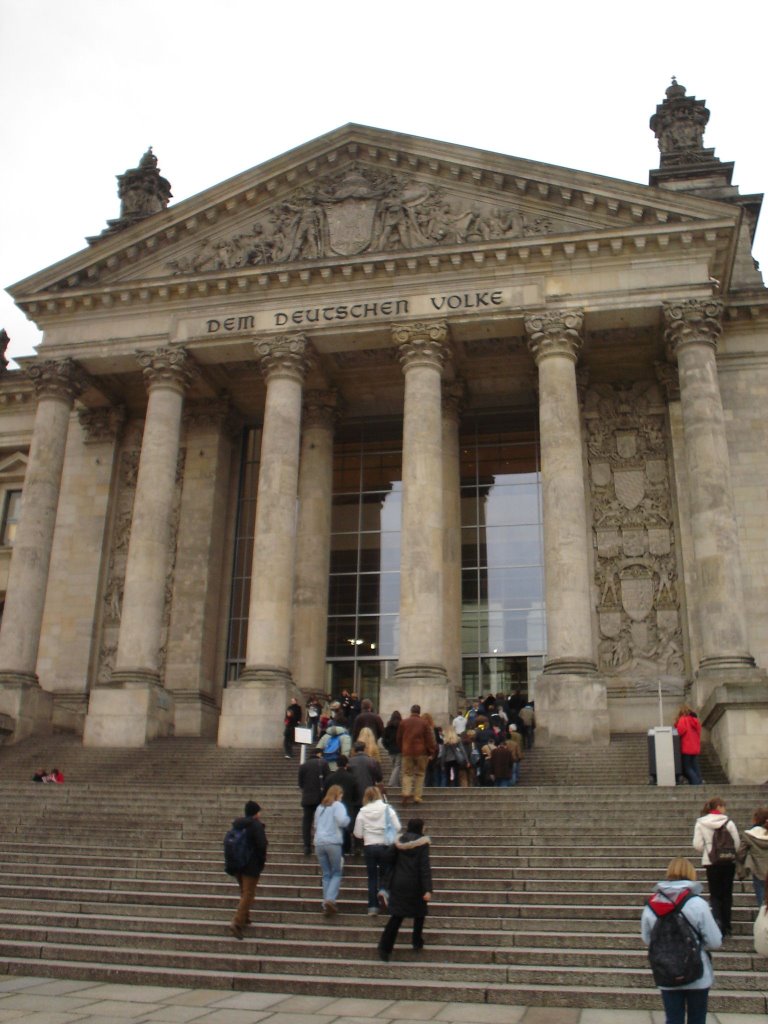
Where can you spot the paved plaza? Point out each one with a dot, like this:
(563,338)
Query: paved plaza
(30,1000)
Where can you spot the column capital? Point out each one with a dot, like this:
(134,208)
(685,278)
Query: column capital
(321,408)
(692,322)
(285,355)
(57,378)
(555,333)
(169,366)
(423,343)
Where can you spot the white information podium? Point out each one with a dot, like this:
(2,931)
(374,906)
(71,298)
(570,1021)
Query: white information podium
(664,748)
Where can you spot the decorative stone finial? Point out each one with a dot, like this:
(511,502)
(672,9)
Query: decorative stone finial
(679,124)
(4,342)
(142,191)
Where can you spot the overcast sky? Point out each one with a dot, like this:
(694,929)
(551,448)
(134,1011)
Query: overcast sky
(216,88)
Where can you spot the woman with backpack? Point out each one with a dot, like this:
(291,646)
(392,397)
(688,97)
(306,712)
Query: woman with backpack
(378,825)
(717,839)
(760,928)
(672,918)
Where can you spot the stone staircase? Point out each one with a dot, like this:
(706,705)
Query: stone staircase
(117,875)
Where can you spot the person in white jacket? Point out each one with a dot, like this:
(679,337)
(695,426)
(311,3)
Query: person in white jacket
(377,824)
(719,876)
(693,997)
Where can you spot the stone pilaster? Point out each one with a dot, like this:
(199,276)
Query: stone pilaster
(571,700)
(454,396)
(727,677)
(134,707)
(421,676)
(248,708)
(313,553)
(57,383)
(191,675)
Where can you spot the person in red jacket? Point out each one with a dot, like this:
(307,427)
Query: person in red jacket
(417,743)
(689,730)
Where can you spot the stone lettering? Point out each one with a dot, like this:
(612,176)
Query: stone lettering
(213,326)
(246,323)
(467,300)
(229,323)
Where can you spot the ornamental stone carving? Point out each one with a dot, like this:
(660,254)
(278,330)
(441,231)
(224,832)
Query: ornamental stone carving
(321,408)
(422,343)
(555,333)
(102,425)
(692,322)
(285,355)
(635,563)
(360,210)
(679,124)
(57,378)
(168,366)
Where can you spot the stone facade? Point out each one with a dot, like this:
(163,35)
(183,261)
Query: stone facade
(373,284)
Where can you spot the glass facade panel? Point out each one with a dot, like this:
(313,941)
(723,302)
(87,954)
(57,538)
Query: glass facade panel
(502,590)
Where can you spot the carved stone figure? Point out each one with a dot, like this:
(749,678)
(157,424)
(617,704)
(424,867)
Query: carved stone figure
(357,210)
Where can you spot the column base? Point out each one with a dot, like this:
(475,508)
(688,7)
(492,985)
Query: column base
(735,711)
(425,685)
(128,712)
(570,667)
(571,708)
(252,708)
(25,708)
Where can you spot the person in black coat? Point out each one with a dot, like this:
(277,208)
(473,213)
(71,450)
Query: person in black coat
(248,878)
(312,776)
(409,886)
(352,797)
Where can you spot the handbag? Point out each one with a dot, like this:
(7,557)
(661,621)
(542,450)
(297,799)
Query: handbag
(390,832)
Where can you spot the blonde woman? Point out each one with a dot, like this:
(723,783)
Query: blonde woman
(680,887)
(371,746)
(331,819)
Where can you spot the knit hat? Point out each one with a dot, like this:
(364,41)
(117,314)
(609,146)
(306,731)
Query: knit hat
(252,809)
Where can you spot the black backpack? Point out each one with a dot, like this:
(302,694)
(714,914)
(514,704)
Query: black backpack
(674,951)
(237,850)
(723,850)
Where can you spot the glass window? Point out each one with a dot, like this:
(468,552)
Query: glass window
(11,514)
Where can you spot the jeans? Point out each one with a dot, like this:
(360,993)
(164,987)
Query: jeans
(377,857)
(394,778)
(691,770)
(515,773)
(503,783)
(675,1003)
(758,884)
(331,862)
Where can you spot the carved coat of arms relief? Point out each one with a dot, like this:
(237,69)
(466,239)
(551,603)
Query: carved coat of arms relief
(360,210)
(636,576)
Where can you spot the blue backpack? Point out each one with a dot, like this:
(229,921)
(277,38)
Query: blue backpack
(332,748)
(237,850)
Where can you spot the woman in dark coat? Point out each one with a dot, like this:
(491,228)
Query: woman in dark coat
(410,887)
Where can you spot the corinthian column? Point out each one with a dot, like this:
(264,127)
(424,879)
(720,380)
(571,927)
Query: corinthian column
(693,329)
(453,402)
(421,676)
(313,551)
(252,706)
(134,708)
(57,383)
(571,706)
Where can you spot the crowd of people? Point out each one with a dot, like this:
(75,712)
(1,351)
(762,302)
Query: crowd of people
(345,812)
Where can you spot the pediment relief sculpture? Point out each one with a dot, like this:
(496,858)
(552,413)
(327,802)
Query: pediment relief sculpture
(361,210)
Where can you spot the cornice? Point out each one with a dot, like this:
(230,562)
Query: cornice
(561,189)
(530,253)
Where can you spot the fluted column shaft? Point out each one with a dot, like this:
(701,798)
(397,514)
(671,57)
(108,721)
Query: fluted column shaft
(555,341)
(422,350)
(693,329)
(313,552)
(453,398)
(57,384)
(168,372)
(284,363)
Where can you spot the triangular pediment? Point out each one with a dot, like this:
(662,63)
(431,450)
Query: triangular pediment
(365,194)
